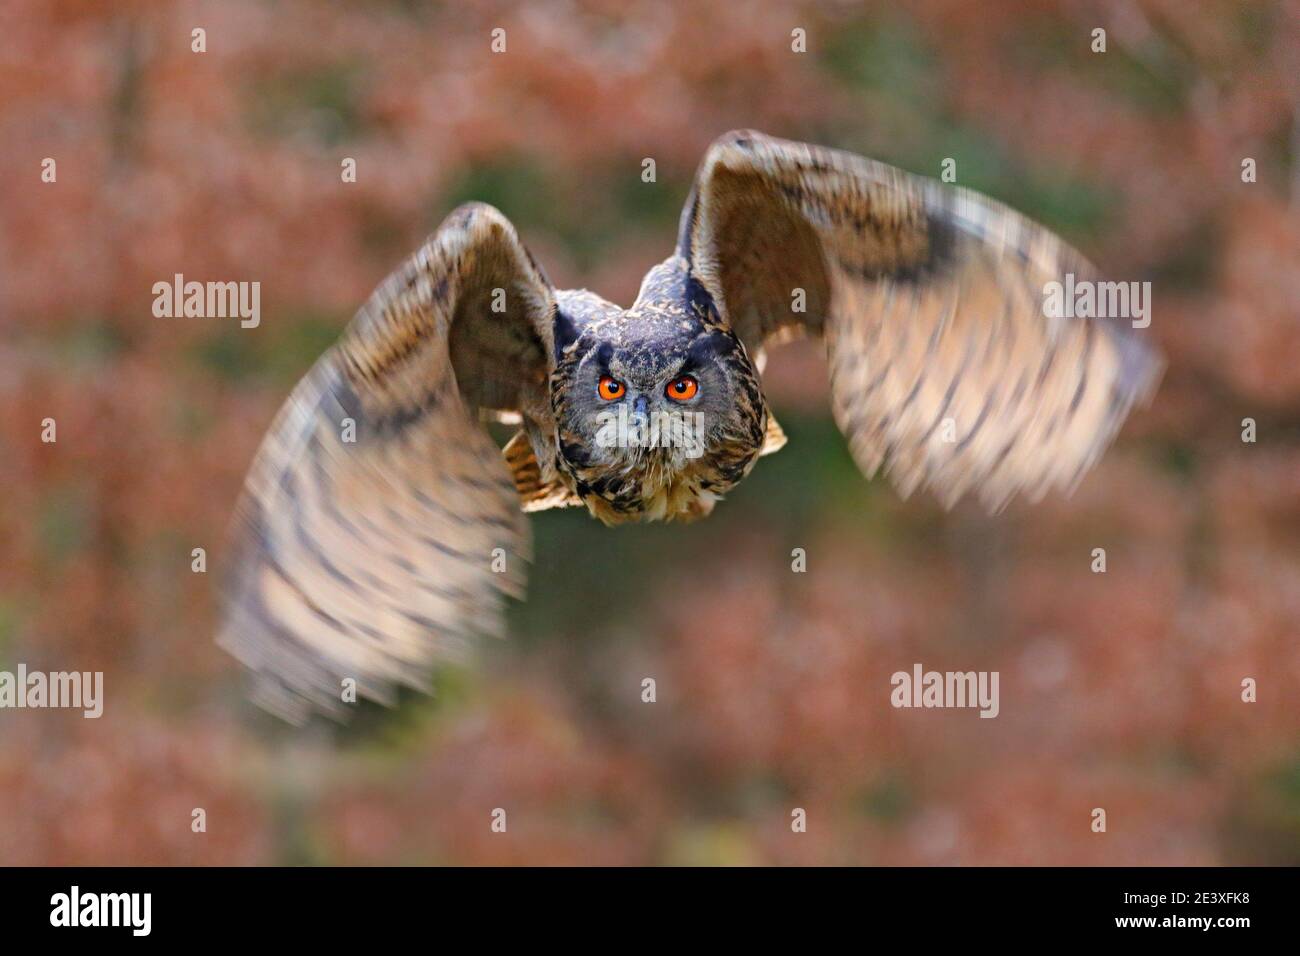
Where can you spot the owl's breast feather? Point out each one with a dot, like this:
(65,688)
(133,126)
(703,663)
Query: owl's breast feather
(679,499)
(653,491)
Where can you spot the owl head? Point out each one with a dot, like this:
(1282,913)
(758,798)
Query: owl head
(645,395)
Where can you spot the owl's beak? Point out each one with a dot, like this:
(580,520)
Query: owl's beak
(640,408)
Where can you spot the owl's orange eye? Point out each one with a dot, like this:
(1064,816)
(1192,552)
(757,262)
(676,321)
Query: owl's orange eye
(610,388)
(682,389)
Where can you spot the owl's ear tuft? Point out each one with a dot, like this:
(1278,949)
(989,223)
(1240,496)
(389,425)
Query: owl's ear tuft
(565,332)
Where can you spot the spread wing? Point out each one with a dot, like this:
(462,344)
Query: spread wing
(945,366)
(379,527)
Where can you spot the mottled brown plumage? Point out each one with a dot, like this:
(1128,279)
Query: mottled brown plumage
(380,526)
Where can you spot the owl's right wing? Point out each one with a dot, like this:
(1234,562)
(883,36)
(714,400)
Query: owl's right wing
(379,527)
(944,366)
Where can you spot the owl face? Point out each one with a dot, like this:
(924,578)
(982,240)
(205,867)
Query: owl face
(649,386)
(648,400)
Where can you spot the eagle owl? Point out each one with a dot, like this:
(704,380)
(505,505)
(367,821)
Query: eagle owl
(381,526)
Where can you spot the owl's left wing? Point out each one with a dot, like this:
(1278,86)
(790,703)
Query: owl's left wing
(945,367)
(379,527)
